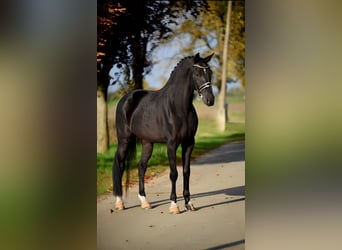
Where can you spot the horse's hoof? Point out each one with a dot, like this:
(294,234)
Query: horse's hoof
(190,207)
(146,205)
(174,210)
(119,205)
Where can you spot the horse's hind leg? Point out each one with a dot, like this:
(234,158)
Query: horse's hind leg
(187,148)
(146,153)
(118,169)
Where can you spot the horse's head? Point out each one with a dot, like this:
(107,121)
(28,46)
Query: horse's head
(201,75)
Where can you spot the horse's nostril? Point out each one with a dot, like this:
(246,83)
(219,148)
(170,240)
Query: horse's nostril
(210,102)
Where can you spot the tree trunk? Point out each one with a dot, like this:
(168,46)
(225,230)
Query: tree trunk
(102,127)
(139,55)
(221,113)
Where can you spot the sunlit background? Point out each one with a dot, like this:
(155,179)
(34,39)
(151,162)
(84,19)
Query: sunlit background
(48,124)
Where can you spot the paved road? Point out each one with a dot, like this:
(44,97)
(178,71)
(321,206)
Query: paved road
(217,185)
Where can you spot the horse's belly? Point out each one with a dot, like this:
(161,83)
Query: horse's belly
(148,129)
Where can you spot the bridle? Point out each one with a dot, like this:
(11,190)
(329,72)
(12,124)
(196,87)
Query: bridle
(204,85)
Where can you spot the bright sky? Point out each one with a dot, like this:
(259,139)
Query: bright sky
(164,60)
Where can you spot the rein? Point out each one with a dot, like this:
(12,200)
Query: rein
(206,84)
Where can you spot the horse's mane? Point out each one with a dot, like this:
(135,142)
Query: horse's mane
(180,62)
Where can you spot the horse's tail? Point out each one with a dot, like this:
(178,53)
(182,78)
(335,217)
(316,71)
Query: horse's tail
(130,159)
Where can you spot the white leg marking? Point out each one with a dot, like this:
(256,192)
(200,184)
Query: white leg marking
(118,198)
(174,209)
(119,204)
(190,206)
(144,202)
(173,204)
(142,198)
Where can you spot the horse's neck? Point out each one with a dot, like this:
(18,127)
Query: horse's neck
(179,90)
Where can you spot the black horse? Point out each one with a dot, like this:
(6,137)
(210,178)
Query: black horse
(163,116)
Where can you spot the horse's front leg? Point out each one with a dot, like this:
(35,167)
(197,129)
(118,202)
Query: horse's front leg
(187,147)
(171,150)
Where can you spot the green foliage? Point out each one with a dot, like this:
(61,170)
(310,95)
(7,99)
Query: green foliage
(236,50)
(236,92)
(235,99)
(127,27)
(207,31)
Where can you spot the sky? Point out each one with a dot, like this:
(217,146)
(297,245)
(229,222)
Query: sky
(165,58)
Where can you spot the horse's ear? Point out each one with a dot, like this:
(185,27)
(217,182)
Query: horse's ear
(207,59)
(197,58)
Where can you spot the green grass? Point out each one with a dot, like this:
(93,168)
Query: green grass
(113,102)
(234,99)
(207,138)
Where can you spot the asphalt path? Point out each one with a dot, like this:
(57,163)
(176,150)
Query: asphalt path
(217,186)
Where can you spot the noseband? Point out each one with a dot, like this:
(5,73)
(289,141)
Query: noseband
(204,85)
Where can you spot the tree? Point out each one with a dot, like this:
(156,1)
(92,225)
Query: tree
(236,48)
(128,32)
(206,32)
(108,15)
(221,112)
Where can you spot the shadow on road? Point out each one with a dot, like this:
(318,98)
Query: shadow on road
(238,191)
(231,244)
(228,153)
(235,191)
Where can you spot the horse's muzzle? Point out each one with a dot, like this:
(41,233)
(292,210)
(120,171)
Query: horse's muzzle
(208,101)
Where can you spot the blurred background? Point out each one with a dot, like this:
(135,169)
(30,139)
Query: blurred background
(49,117)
